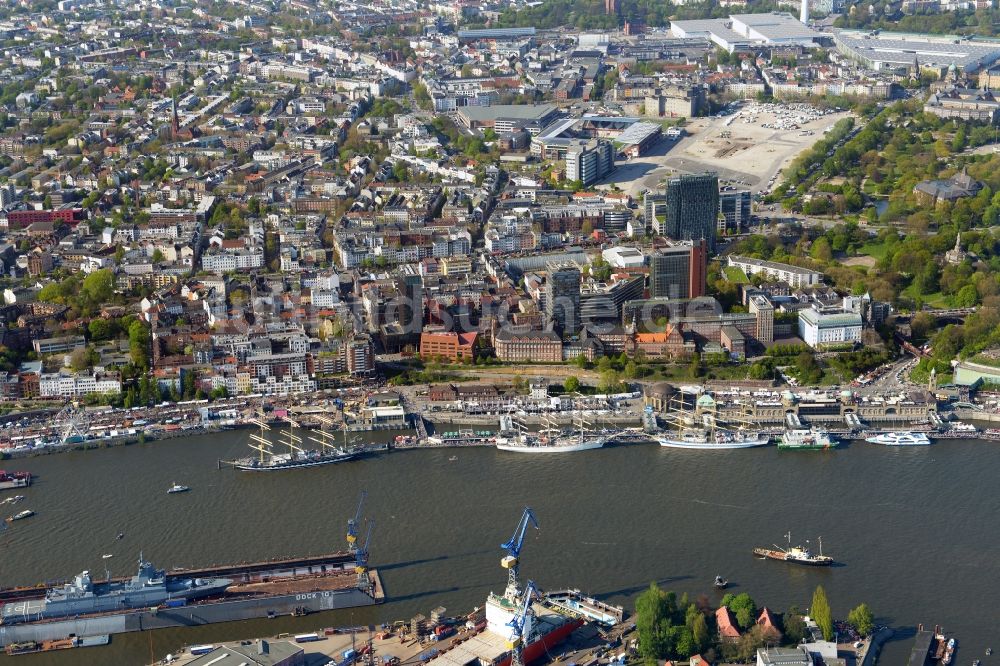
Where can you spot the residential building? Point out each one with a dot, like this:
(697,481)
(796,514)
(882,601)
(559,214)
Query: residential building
(360,355)
(692,208)
(795,276)
(762,308)
(589,161)
(728,629)
(71,385)
(679,270)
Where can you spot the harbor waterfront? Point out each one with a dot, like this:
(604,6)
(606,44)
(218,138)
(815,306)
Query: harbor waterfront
(612,520)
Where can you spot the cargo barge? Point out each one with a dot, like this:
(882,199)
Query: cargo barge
(14,479)
(257,590)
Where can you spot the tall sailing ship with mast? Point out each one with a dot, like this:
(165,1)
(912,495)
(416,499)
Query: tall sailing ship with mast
(297,456)
(693,430)
(550,439)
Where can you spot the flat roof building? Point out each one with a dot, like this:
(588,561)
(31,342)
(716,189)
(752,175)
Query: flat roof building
(503,117)
(894,50)
(795,276)
(820,329)
(740,31)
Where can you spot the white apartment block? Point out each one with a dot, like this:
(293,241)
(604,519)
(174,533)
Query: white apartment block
(794,276)
(59,385)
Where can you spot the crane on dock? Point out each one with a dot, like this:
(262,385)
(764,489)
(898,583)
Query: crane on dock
(511,560)
(521,626)
(352,524)
(357,548)
(361,558)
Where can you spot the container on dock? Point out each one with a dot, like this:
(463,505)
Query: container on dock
(201,649)
(306,638)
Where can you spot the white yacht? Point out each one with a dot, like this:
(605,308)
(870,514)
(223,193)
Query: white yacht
(900,439)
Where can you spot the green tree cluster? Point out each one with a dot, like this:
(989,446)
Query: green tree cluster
(821,614)
(668,629)
(862,619)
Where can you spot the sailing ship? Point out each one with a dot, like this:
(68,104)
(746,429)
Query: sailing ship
(297,456)
(550,439)
(692,432)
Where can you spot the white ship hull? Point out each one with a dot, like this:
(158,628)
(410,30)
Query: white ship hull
(706,445)
(900,439)
(550,448)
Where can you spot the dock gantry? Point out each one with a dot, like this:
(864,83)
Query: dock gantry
(360,549)
(511,560)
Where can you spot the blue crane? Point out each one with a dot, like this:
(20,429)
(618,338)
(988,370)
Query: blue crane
(352,525)
(511,560)
(361,557)
(520,625)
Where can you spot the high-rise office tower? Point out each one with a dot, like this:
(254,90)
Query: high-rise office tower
(692,208)
(678,271)
(562,298)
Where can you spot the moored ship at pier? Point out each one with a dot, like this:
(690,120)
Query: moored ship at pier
(296,457)
(806,439)
(14,479)
(899,439)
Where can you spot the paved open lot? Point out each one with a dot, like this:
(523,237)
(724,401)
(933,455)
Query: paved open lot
(739,147)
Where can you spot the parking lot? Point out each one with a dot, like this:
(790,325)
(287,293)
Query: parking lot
(747,147)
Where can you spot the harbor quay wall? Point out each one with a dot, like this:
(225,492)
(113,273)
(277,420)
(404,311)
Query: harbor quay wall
(188,616)
(875,646)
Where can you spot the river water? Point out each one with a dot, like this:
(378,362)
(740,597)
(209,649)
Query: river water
(914,528)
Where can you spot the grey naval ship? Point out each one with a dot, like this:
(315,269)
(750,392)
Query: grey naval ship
(154,599)
(81,596)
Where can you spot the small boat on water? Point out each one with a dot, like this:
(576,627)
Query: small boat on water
(949,651)
(453,459)
(177,488)
(121,535)
(13,500)
(27,513)
(721,583)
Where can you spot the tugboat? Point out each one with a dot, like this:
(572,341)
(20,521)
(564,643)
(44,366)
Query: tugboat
(949,652)
(721,583)
(795,554)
